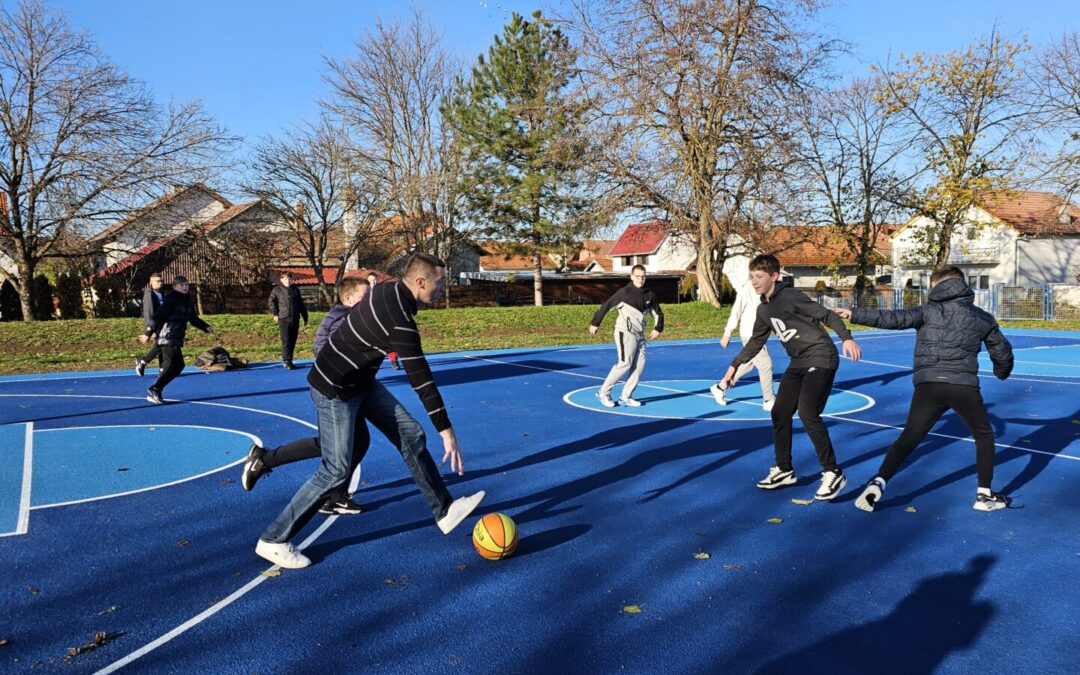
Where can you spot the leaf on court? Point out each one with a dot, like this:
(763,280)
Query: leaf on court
(123,468)
(272,573)
(775,521)
(461,567)
(1076,421)
(109,610)
(100,638)
(226,481)
(802,502)
(911,509)
(702,555)
(4,643)
(631,609)
(734,567)
(33,590)
(182,543)
(699,534)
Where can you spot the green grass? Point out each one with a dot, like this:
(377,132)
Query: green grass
(113,343)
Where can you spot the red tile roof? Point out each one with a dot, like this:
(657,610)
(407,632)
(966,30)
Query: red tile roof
(813,246)
(500,258)
(640,239)
(1033,212)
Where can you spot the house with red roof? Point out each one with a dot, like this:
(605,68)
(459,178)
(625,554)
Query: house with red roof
(656,245)
(1013,238)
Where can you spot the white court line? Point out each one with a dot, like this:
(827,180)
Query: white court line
(17,379)
(210,611)
(252,437)
(23,522)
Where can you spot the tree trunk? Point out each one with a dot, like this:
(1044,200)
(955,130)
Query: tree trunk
(538,280)
(708,275)
(25,272)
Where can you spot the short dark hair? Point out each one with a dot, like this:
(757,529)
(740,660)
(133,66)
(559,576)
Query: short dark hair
(950,272)
(418,262)
(284,273)
(350,285)
(766,262)
(179,279)
(635,268)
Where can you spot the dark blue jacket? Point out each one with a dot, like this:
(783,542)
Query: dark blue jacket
(950,331)
(329,324)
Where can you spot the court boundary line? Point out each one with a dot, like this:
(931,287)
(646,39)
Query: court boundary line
(22,522)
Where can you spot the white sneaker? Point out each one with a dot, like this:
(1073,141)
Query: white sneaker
(832,482)
(870,496)
(283,555)
(991,502)
(630,402)
(777,478)
(605,400)
(718,394)
(459,510)
(767,406)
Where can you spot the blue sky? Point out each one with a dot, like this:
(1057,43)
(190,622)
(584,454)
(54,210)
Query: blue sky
(257,65)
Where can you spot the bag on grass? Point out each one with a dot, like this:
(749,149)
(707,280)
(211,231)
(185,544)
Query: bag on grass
(217,359)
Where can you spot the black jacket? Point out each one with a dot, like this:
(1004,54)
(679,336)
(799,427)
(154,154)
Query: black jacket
(950,331)
(287,304)
(797,321)
(633,305)
(150,305)
(171,320)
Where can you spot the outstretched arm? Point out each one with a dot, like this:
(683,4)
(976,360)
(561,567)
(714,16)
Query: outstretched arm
(1001,354)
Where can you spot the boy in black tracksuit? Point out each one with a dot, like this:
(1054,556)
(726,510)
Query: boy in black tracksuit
(950,331)
(169,325)
(287,306)
(805,385)
(633,303)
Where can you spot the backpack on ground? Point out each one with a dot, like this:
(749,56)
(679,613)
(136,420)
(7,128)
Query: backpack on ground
(218,359)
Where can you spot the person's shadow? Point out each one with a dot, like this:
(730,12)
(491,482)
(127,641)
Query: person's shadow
(939,617)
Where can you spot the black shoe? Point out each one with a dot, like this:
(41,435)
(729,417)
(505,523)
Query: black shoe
(340,506)
(140,367)
(254,468)
(154,396)
(289,365)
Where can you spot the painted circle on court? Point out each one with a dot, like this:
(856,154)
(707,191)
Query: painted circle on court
(691,400)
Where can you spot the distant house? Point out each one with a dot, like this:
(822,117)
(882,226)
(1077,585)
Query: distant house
(655,245)
(1014,238)
(593,256)
(498,259)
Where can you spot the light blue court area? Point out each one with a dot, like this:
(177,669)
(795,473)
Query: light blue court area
(691,400)
(1043,360)
(15,456)
(82,463)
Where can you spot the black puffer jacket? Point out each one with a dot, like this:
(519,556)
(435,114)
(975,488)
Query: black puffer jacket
(950,331)
(170,321)
(287,304)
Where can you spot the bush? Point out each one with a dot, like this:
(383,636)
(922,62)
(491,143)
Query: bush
(69,288)
(42,298)
(10,306)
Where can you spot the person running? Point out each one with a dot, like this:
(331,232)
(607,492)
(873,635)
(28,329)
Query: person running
(169,327)
(261,461)
(343,386)
(949,332)
(804,387)
(152,298)
(287,306)
(742,318)
(633,302)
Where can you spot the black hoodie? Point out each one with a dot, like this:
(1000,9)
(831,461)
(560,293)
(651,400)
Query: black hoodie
(633,305)
(796,320)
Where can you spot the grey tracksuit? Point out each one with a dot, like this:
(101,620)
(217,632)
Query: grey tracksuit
(632,305)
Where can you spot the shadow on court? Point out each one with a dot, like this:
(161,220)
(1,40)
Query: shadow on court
(1050,436)
(939,617)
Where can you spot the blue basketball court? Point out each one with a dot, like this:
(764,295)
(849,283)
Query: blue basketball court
(127,541)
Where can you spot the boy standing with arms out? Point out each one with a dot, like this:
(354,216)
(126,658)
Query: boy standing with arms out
(804,387)
(169,327)
(287,306)
(743,316)
(632,302)
(949,332)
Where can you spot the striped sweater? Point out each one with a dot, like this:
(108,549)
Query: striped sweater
(380,323)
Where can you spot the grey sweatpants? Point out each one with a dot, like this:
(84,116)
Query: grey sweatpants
(631,349)
(763,363)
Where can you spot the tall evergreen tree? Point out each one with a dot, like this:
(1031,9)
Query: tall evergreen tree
(521,138)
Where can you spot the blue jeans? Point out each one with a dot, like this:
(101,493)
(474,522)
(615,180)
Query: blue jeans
(337,420)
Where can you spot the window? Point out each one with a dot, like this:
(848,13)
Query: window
(981,281)
(984,281)
(628,260)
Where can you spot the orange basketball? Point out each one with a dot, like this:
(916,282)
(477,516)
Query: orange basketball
(495,536)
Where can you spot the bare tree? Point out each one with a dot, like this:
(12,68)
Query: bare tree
(693,97)
(853,153)
(81,140)
(310,176)
(1057,80)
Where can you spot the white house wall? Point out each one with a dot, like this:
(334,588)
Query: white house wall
(674,253)
(1051,260)
(179,214)
(986,250)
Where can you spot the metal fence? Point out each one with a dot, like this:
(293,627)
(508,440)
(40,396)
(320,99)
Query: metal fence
(1010,303)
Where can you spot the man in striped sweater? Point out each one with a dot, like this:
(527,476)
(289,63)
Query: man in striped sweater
(343,385)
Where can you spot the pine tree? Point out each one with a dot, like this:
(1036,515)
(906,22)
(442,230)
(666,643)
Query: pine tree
(520,136)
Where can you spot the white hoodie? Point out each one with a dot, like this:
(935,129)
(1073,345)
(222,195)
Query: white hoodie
(743,312)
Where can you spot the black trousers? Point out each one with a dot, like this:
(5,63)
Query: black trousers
(172,364)
(928,404)
(309,448)
(805,390)
(289,328)
(154,353)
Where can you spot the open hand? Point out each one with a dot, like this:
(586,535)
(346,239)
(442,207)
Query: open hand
(852,350)
(844,313)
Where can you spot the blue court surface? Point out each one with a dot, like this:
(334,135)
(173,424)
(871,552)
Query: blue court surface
(645,546)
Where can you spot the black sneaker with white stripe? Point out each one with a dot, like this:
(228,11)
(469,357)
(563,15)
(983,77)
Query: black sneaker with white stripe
(832,482)
(254,468)
(777,478)
(341,506)
(991,502)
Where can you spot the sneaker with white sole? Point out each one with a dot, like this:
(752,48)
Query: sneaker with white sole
(283,555)
(341,506)
(605,400)
(832,482)
(870,496)
(254,467)
(767,406)
(630,402)
(459,510)
(154,396)
(777,478)
(718,394)
(991,502)
(140,367)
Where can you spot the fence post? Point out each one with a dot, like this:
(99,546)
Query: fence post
(996,304)
(1048,302)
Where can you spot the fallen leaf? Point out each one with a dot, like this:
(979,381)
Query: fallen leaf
(272,573)
(123,468)
(702,555)
(1076,421)
(632,609)
(802,502)
(4,643)
(110,610)
(775,521)
(462,567)
(733,567)
(33,590)
(100,638)
(911,509)
(182,543)
(226,481)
